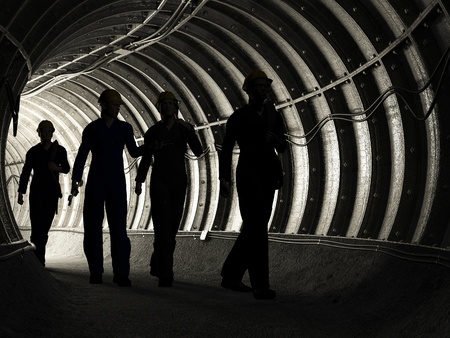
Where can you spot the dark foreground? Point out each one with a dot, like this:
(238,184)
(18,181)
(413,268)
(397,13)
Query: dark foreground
(321,292)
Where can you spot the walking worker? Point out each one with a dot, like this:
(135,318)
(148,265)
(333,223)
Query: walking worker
(47,160)
(166,142)
(106,138)
(258,129)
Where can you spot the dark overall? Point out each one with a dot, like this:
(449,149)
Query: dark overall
(167,189)
(45,191)
(258,175)
(105,190)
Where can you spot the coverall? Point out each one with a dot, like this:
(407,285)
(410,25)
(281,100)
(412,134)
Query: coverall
(45,190)
(258,175)
(105,190)
(167,188)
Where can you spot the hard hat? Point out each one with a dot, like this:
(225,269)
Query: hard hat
(110,95)
(255,75)
(166,96)
(45,124)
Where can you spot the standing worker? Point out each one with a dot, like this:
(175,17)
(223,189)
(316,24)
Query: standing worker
(46,159)
(166,142)
(259,131)
(105,138)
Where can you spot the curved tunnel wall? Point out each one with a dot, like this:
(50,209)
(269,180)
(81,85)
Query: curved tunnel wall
(354,82)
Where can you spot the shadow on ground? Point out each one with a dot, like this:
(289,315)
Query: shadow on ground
(321,292)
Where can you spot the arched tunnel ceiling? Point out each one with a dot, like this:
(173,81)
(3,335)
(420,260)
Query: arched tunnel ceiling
(353,80)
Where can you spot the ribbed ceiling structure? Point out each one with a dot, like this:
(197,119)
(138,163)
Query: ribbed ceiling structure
(361,86)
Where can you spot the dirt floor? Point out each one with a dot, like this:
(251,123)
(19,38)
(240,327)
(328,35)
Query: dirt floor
(321,292)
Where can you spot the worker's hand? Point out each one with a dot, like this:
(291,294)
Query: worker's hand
(53,166)
(20,198)
(74,191)
(138,188)
(224,188)
(272,138)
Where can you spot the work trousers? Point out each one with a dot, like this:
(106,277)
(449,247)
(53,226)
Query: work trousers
(109,196)
(42,213)
(251,248)
(167,198)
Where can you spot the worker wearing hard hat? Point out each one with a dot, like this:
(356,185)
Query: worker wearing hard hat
(106,138)
(259,131)
(47,160)
(166,142)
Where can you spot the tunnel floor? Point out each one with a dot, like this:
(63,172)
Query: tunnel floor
(321,292)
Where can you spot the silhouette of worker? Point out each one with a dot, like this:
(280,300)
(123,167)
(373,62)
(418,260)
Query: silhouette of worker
(105,138)
(46,159)
(166,142)
(259,131)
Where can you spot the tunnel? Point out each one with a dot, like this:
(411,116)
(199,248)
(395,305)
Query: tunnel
(362,89)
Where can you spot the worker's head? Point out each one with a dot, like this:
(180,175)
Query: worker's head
(255,76)
(167,105)
(256,85)
(45,130)
(110,101)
